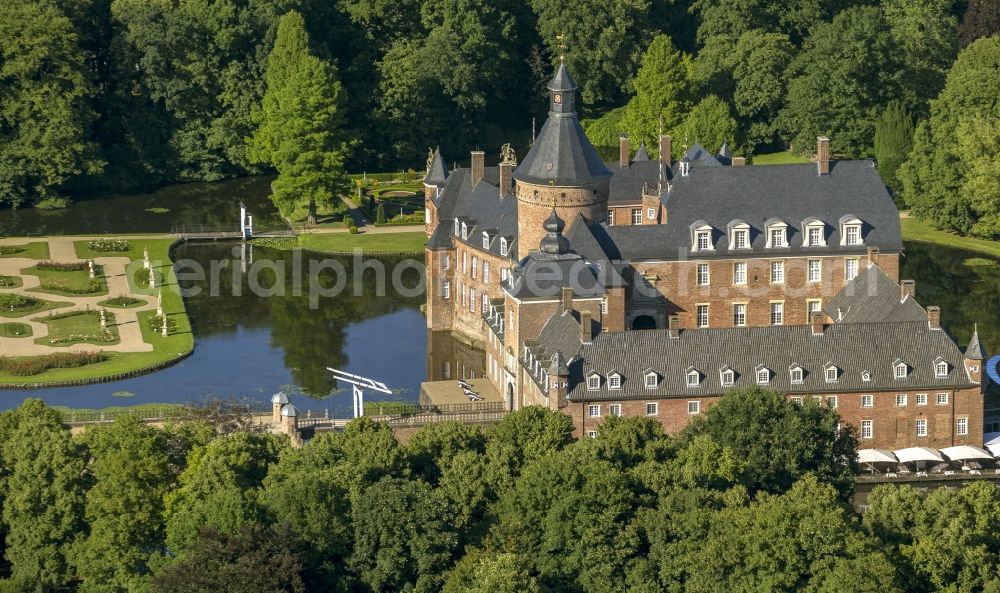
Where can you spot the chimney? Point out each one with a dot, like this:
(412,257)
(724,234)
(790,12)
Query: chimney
(739,161)
(872,256)
(823,155)
(665,148)
(506,179)
(934,317)
(673,326)
(586,328)
(816,320)
(567,298)
(478,164)
(624,152)
(909,289)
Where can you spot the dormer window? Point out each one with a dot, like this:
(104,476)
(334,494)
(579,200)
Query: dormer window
(813,233)
(465,231)
(941,368)
(777,234)
(763,375)
(614,380)
(727,376)
(702,236)
(685,167)
(486,240)
(503,246)
(651,379)
(458,228)
(739,235)
(797,374)
(900,369)
(594,382)
(832,373)
(693,377)
(850,230)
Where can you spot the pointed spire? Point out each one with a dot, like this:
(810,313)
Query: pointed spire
(554,243)
(437,174)
(974,351)
(558,367)
(641,154)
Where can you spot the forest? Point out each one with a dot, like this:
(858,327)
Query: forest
(753,496)
(99,95)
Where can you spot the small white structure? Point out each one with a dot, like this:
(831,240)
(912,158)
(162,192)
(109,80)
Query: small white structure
(359,383)
(278,401)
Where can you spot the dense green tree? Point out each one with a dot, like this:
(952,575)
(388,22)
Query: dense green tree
(981,19)
(978,145)
(220,487)
(605,131)
(663,93)
(435,445)
(893,141)
(524,436)
(934,173)
(759,63)
(601,40)
(924,30)
(131,473)
(45,107)
(846,73)
(733,18)
(255,559)
(490,573)
(780,441)
(403,537)
(301,123)
(43,497)
(710,124)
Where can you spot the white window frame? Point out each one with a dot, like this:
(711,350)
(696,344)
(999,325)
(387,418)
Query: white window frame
(693,379)
(475,266)
(852,266)
(703,274)
(741,238)
(694,407)
(486,271)
(900,370)
(446,290)
(797,400)
(832,401)
(739,314)
(902,400)
(636,216)
(593,382)
(594,411)
(941,399)
(831,373)
(740,273)
(867,401)
(701,234)
(763,376)
(814,274)
(465,232)
(486,303)
(728,378)
(591,434)
(604,305)
(614,410)
(941,370)
(503,246)
(614,381)
(777,312)
(651,213)
(810,309)
(472,299)
(611,217)
(921,426)
(778,271)
(921,399)
(458,228)
(655,380)
(652,408)
(852,234)
(796,375)
(698,309)
(779,231)
(867,429)
(961,426)
(814,227)
(486,240)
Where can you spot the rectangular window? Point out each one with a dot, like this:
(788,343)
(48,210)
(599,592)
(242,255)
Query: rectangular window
(962,426)
(593,382)
(728,378)
(832,374)
(942,399)
(740,239)
(831,401)
(591,434)
(941,370)
(472,299)
(740,272)
(815,270)
(615,410)
(465,262)
(702,315)
(651,381)
(652,409)
(814,306)
(777,237)
(866,429)
(614,382)
(611,217)
(739,314)
(900,399)
(693,379)
(694,407)
(867,401)
(850,268)
(921,399)
(503,246)
(604,306)
(445,261)
(853,235)
(650,213)
(921,427)
(777,313)
(594,411)
(475,266)
(703,275)
(446,290)
(465,296)
(796,375)
(777,272)
(486,303)
(636,216)
(704,240)
(486,271)
(797,400)
(763,376)
(815,236)
(486,241)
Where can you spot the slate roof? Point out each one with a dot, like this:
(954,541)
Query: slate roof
(641,154)
(974,351)
(437,174)
(562,81)
(872,297)
(626,183)
(792,193)
(543,275)
(481,209)
(852,348)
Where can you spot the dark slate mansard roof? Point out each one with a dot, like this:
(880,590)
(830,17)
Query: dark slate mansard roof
(481,208)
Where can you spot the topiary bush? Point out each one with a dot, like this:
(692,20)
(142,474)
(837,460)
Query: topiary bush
(380,215)
(107,245)
(347,221)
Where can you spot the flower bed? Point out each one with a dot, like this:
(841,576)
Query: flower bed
(51,266)
(35,365)
(107,245)
(9,282)
(10,249)
(16,302)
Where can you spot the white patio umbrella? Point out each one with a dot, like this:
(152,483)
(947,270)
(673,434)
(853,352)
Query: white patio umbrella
(918,454)
(992,438)
(993,448)
(966,452)
(876,456)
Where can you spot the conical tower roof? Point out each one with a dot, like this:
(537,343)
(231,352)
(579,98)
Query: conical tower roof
(975,351)
(641,154)
(437,174)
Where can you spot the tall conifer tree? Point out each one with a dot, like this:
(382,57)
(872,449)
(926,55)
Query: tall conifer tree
(893,141)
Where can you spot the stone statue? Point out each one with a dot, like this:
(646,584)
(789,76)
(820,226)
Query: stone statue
(507,156)
(430,158)
(145,257)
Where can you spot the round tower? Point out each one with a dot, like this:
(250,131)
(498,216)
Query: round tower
(290,420)
(562,170)
(278,401)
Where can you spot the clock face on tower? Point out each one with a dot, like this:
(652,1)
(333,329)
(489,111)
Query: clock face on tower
(557,99)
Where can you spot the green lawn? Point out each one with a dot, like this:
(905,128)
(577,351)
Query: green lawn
(916,230)
(32,250)
(176,345)
(779,158)
(408,242)
(15,330)
(41,306)
(81,327)
(68,284)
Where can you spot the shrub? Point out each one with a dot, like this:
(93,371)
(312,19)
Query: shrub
(51,266)
(123,301)
(10,249)
(34,365)
(353,230)
(17,302)
(8,281)
(53,203)
(380,215)
(92,287)
(142,277)
(156,324)
(107,245)
(347,221)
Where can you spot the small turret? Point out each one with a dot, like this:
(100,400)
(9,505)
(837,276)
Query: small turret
(290,421)
(554,243)
(974,357)
(278,400)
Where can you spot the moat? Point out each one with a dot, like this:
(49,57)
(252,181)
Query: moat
(249,346)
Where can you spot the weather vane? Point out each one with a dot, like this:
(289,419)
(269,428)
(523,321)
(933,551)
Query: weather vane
(430,158)
(562,47)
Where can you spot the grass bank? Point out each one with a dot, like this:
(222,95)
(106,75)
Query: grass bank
(406,242)
(779,158)
(177,345)
(916,230)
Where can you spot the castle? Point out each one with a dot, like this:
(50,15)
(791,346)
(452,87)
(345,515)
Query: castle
(651,287)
